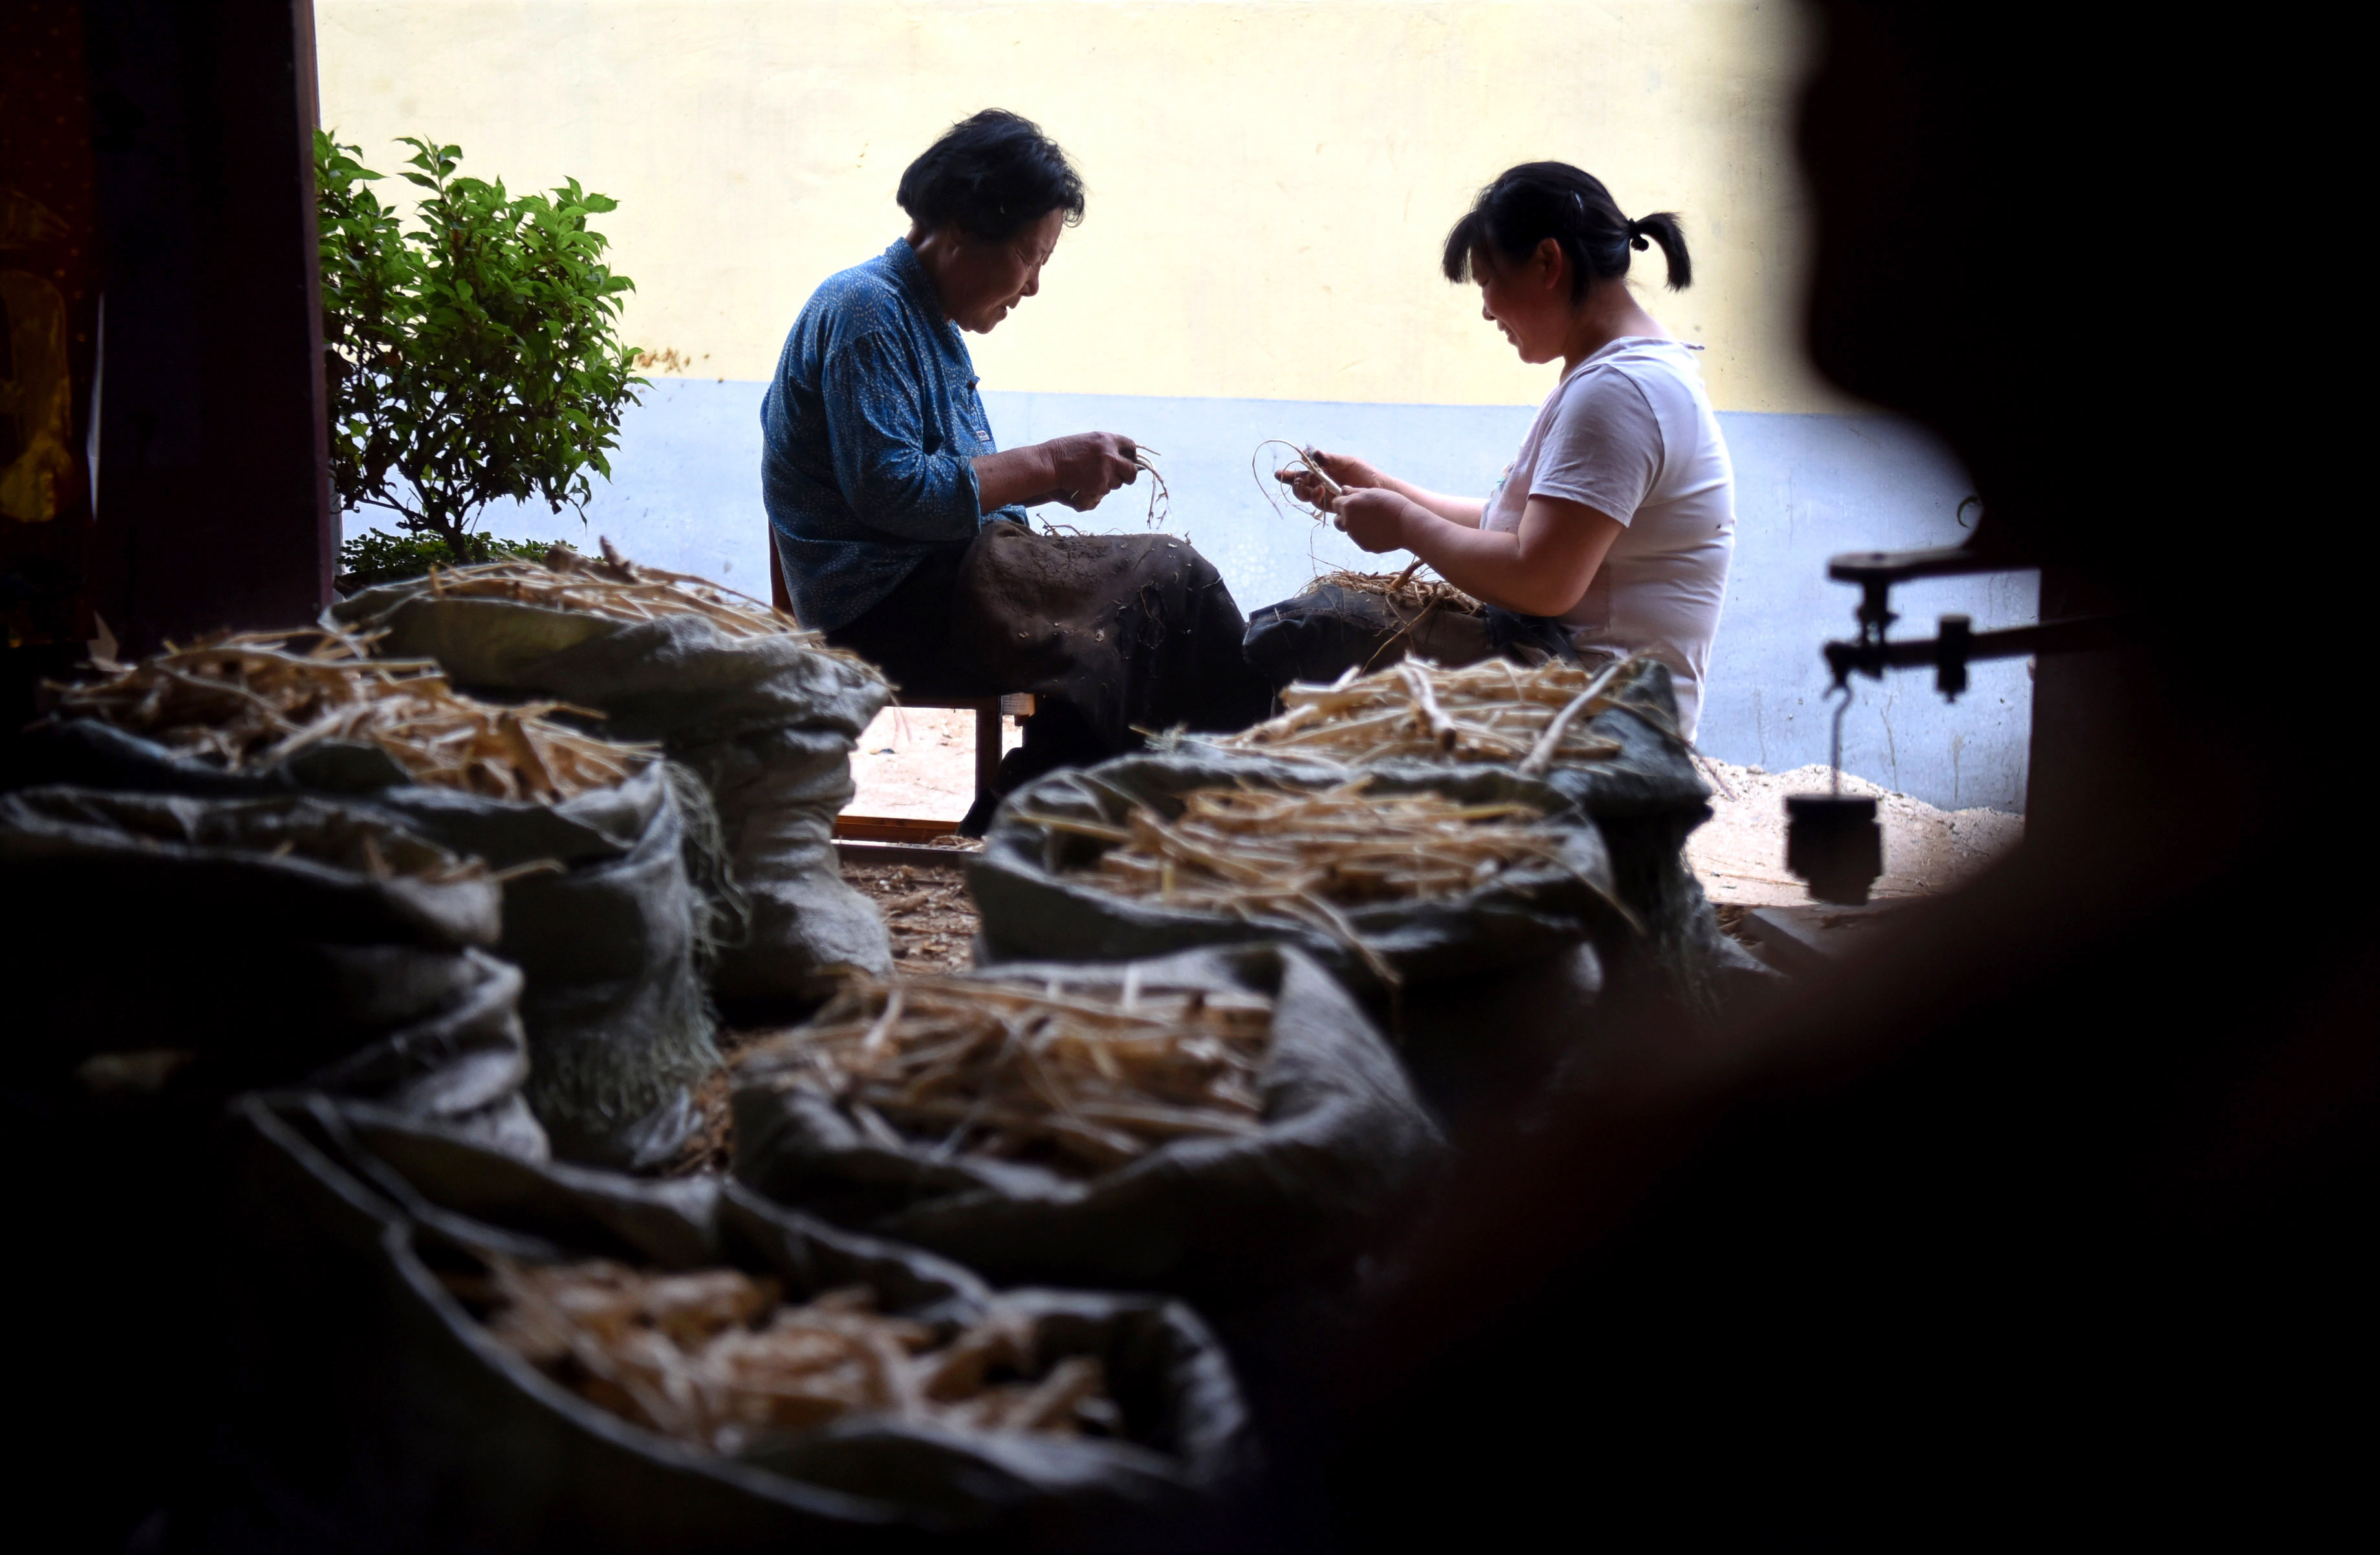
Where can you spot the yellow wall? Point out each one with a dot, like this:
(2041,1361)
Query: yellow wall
(1268,181)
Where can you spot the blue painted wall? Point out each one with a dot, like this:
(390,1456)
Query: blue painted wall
(686,495)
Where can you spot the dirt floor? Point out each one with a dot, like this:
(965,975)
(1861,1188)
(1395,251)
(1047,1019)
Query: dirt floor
(932,920)
(920,762)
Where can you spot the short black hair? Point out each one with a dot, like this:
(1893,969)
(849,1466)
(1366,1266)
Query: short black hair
(1527,204)
(992,175)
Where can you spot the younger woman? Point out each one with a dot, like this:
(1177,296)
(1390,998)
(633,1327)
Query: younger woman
(1618,516)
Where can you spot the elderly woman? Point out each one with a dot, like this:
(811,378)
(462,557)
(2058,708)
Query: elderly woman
(1612,529)
(899,523)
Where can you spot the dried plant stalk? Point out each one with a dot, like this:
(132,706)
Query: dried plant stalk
(716,1359)
(1306,855)
(1494,711)
(1083,1081)
(618,589)
(1161,496)
(255,699)
(1404,589)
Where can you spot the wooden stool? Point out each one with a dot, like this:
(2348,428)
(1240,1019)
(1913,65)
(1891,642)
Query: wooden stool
(988,711)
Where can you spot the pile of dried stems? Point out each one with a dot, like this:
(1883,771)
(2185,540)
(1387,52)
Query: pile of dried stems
(255,699)
(1306,855)
(1494,711)
(714,1357)
(1403,588)
(1082,1081)
(611,586)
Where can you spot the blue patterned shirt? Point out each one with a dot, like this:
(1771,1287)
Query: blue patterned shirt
(869,430)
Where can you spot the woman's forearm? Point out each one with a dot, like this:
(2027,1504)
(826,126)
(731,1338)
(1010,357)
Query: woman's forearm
(1485,564)
(1455,510)
(1014,475)
(1354,474)
(1077,470)
(1539,569)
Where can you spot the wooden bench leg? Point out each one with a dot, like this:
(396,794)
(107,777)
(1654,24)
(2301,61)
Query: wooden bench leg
(987,746)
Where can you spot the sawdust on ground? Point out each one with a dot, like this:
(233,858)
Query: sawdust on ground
(1739,852)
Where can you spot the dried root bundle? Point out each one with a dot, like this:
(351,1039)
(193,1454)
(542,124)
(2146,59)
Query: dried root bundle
(1403,589)
(1271,487)
(716,1359)
(1308,855)
(1493,712)
(1082,1081)
(1161,496)
(255,699)
(611,586)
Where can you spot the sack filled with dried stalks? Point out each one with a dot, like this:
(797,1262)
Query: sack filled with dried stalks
(1604,734)
(446,1349)
(1648,796)
(586,834)
(1220,1124)
(190,948)
(1383,878)
(1462,907)
(765,714)
(167,953)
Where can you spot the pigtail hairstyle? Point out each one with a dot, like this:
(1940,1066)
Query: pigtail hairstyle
(1662,227)
(1527,204)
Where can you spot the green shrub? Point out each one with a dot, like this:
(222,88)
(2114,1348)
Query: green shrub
(470,355)
(373,557)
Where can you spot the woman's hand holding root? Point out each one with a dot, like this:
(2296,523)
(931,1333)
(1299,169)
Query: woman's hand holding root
(1077,470)
(1087,466)
(1349,472)
(1374,517)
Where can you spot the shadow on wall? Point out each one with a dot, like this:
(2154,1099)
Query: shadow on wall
(686,495)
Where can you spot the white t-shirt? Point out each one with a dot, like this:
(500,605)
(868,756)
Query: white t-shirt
(1630,432)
